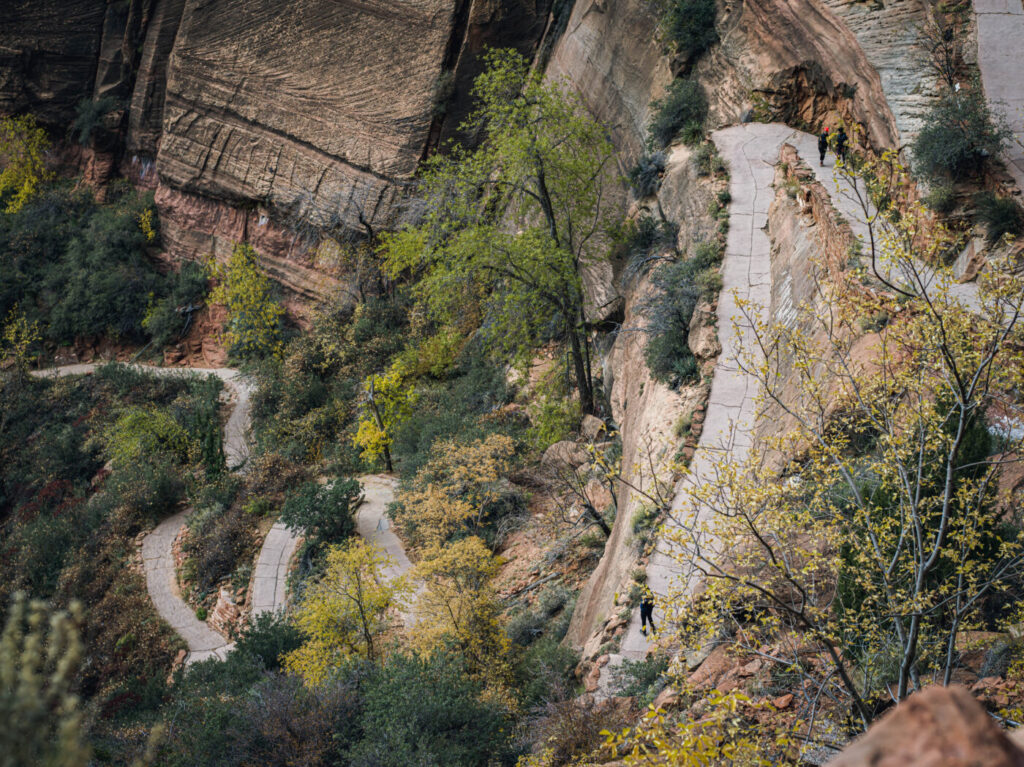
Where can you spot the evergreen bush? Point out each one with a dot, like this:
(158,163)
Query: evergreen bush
(684,107)
(1001,216)
(645,177)
(680,285)
(959,133)
(689,26)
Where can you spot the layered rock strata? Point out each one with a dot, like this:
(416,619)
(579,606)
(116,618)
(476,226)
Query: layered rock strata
(260,119)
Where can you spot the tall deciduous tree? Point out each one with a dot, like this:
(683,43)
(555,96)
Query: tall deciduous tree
(22,168)
(514,223)
(458,604)
(347,611)
(254,315)
(387,402)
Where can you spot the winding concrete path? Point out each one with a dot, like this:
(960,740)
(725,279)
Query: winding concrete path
(269,589)
(752,151)
(270,584)
(1000,52)
(373,524)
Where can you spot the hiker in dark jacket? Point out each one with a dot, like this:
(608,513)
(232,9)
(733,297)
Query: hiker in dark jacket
(822,147)
(841,144)
(647,611)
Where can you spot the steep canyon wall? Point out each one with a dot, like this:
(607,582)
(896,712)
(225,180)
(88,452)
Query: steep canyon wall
(277,122)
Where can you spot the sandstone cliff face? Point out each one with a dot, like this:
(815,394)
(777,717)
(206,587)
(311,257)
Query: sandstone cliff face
(145,118)
(308,115)
(48,55)
(284,102)
(645,411)
(610,54)
(794,62)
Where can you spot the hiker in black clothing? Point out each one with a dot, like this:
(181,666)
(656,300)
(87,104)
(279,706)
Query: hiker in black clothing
(822,146)
(841,144)
(647,611)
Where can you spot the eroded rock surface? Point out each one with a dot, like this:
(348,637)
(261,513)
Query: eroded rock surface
(939,727)
(276,122)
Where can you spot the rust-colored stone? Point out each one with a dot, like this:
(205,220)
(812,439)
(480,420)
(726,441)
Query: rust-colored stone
(938,727)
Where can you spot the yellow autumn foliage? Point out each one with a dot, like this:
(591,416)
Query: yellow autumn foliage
(253,327)
(387,402)
(458,604)
(454,489)
(347,612)
(23,145)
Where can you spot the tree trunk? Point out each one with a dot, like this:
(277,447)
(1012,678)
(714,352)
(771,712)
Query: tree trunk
(582,375)
(598,520)
(387,460)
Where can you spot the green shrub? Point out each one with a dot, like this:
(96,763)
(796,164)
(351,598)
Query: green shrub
(706,159)
(644,520)
(680,285)
(959,133)
(219,539)
(709,281)
(428,711)
(554,419)
(544,670)
(684,106)
(80,269)
(689,26)
(163,322)
(645,177)
(641,679)
(1001,216)
(142,434)
(89,113)
(941,198)
(324,513)
(552,599)
(524,626)
(268,636)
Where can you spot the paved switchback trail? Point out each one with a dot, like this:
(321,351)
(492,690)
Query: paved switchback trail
(269,588)
(1000,45)
(751,151)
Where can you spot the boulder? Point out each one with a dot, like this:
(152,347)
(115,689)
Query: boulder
(715,666)
(565,454)
(666,698)
(783,702)
(592,647)
(598,495)
(703,341)
(593,679)
(592,427)
(938,727)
